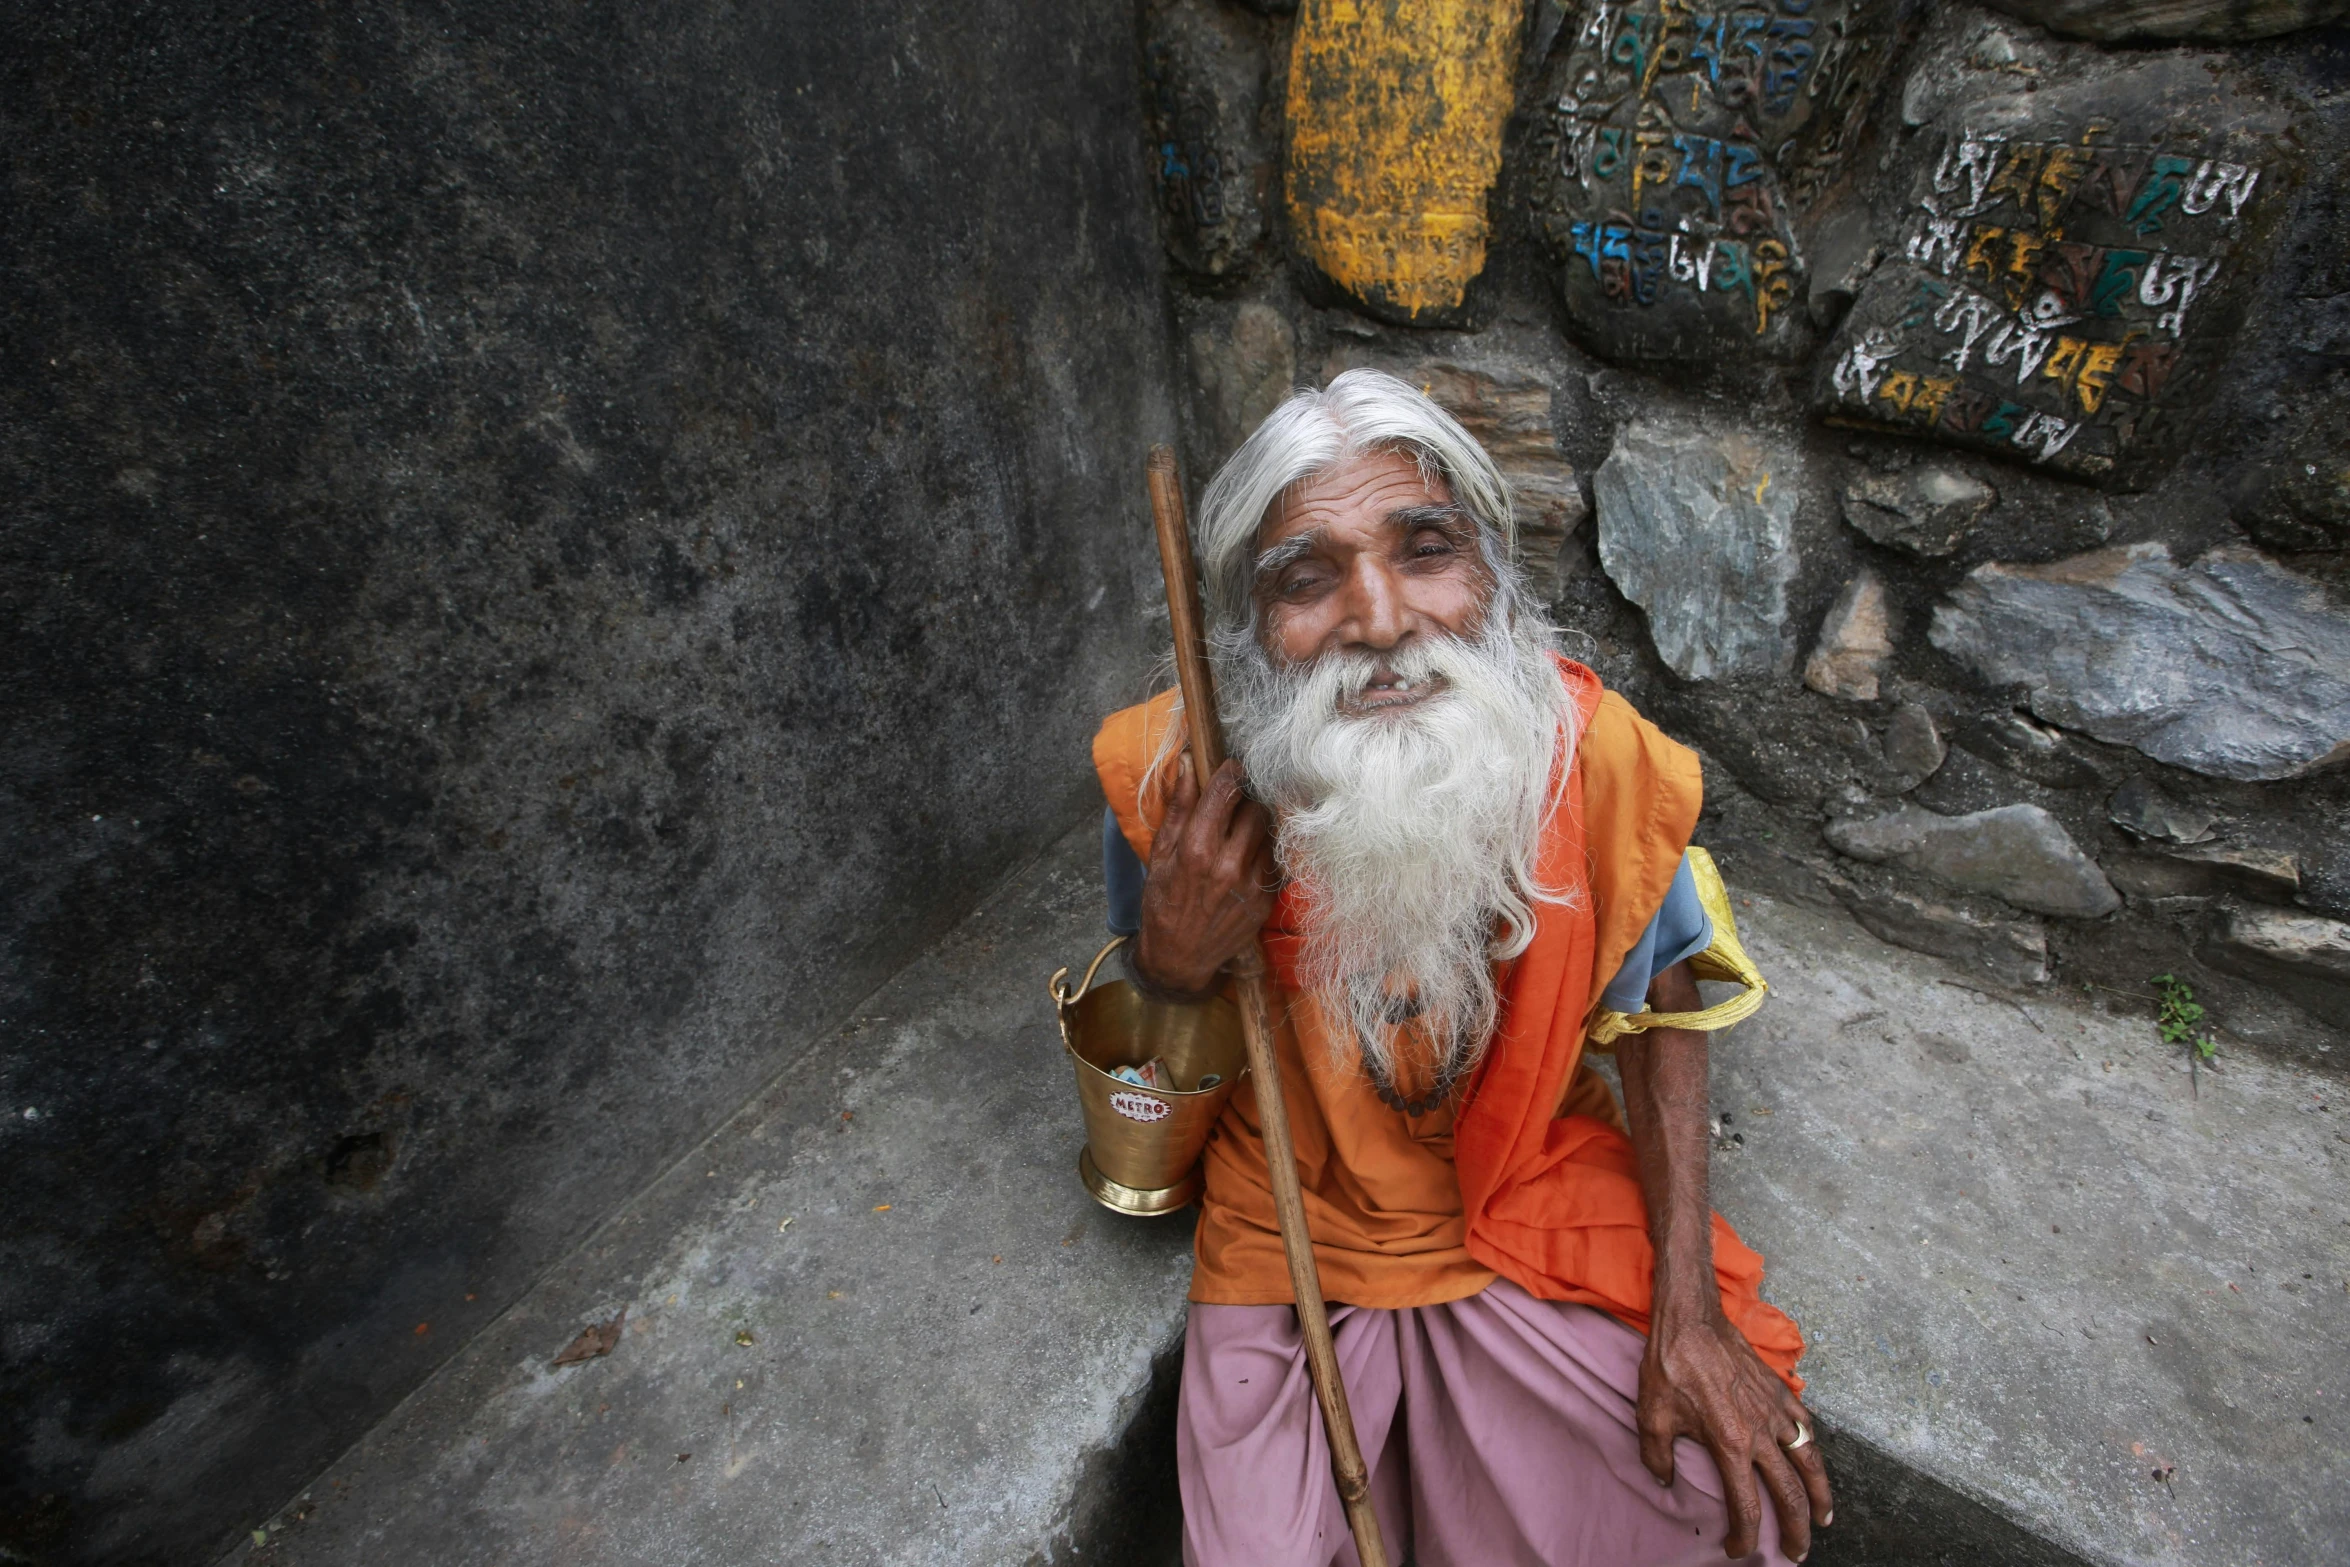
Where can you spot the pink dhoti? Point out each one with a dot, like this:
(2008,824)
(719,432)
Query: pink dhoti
(1499,1430)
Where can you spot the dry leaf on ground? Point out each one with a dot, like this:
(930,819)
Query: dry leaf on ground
(597,1338)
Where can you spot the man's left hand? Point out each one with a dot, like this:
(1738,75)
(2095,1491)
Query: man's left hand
(1701,1379)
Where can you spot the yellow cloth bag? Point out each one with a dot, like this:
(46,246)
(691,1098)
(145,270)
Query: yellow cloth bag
(1724,960)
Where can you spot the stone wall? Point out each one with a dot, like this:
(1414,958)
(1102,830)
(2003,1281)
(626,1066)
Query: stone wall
(1934,413)
(547,548)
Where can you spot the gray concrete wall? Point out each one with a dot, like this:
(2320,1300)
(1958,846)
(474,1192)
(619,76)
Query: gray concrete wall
(547,547)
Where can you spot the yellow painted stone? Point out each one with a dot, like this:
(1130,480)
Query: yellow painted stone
(1396,110)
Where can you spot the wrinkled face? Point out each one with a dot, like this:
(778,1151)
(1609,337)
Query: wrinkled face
(1364,559)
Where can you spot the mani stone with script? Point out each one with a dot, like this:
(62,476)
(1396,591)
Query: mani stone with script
(1672,153)
(2073,264)
(1395,119)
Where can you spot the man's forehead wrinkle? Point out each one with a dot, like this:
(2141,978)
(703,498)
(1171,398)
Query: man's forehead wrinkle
(1373,470)
(1314,502)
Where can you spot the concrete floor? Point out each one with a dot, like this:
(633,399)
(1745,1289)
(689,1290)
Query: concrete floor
(2036,1269)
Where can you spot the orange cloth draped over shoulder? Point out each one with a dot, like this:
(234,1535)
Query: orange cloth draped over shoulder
(1531,1176)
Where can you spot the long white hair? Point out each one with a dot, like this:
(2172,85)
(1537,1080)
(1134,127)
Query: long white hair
(1414,837)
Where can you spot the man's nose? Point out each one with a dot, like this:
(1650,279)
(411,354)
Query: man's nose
(1376,617)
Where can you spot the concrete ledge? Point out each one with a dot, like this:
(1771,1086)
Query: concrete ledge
(868,1384)
(2037,1267)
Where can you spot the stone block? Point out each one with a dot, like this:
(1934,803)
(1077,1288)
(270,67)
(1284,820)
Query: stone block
(2274,871)
(1509,411)
(1841,254)
(2147,21)
(2022,745)
(2233,667)
(1924,510)
(1856,642)
(1395,130)
(2206,870)
(2011,950)
(2141,809)
(1698,529)
(2073,268)
(1204,70)
(1672,157)
(2151,880)
(1242,367)
(2017,853)
(2302,956)
(1913,745)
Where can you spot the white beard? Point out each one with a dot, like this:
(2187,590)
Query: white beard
(1412,834)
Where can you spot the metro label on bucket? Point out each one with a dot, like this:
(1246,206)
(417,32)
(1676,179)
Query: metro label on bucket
(1141,1107)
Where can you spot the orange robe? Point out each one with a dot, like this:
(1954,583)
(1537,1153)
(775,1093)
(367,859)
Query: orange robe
(1531,1175)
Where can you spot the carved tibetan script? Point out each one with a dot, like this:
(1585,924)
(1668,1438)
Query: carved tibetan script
(1677,146)
(2057,300)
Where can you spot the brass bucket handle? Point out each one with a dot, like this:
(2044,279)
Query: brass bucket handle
(1065,999)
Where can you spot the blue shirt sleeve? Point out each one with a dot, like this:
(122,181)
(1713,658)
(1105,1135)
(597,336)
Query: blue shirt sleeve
(1681,929)
(1122,876)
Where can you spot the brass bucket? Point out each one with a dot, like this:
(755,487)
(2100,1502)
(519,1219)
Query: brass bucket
(1142,1144)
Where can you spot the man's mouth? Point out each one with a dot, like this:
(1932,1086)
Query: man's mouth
(1388,691)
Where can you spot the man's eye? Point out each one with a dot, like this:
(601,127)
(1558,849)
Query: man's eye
(1430,544)
(1299,583)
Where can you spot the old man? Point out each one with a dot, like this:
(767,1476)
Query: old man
(1459,850)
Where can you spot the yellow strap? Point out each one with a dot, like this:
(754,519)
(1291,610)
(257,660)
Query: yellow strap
(1724,960)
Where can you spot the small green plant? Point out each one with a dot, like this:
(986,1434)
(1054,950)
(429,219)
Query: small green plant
(2178,1016)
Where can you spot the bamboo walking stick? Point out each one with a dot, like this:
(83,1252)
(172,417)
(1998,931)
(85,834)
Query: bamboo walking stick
(1252,990)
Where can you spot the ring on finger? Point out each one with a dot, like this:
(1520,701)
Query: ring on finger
(1802,1437)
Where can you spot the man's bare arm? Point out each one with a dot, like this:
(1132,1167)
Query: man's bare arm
(1699,1377)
